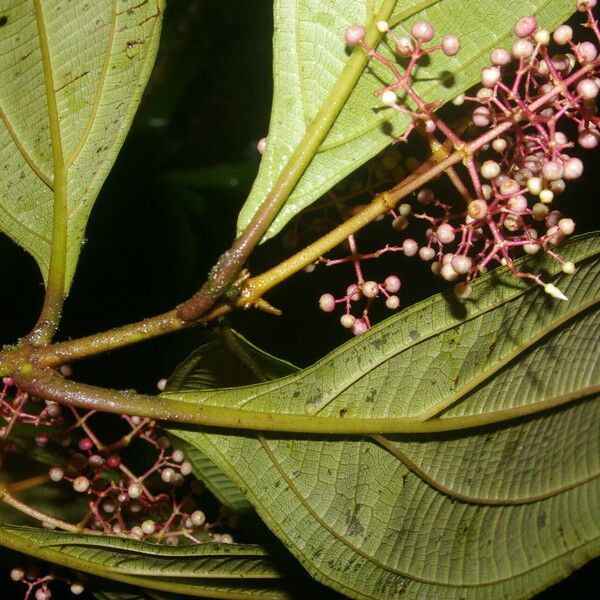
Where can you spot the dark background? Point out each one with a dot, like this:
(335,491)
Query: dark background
(169,208)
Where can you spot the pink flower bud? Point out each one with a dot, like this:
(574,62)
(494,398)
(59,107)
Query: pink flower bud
(354,35)
(525,26)
(450,45)
(422,31)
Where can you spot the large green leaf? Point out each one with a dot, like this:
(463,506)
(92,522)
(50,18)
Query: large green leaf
(71,77)
(205,570)
(499,499)
(310,75)
(228,361)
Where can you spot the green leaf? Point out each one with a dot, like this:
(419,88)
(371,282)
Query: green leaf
(71,77)
(310,74)
(497,497)
(205,570)
(228,361)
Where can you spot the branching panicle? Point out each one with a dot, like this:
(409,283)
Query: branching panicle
(537,101)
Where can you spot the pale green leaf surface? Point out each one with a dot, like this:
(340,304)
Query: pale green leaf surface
(309,55)
(499,511)
(423,360)
(100,56)
(205,570)
(228,361)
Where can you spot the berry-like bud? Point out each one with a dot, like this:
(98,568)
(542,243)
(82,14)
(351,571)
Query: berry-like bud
(542,37)
(134,490)
(410,247)
(347,321)
(535,185)
(354,35)
(522,49)
(261,145)
(587,89)
(587,52)
(482,116)
(327,303)
(186,468)
(500,57)
(383,26)
(566,226)
(405,210)
(448,273)
(426,253)
(392,284)
(525,26)
(178,456)
(113,461)
(360,326)
(81,484)
(53,409)
(405,46)
(552,170)
(353,292)
(589,138)
(445,233)
(477,209)
(167,475)
(17,574)
(490,169)
(392,302)
(389,97)
(490,76)
(585,5)
(499,145)
(370,289)
(77,588)
(562,35)
(573,169)
(56,474)
(461,264)
(422,31)
(518,203)
(198,518)
(86,444)
(546,196)
(149,527)
(450,45)
(43,593)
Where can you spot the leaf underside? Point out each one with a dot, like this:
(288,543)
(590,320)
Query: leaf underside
(91,60)
(309,55)
(495,511)
(205,570)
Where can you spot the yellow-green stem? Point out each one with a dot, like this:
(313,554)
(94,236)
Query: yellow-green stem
(55,286)
(177,409)
(230,264)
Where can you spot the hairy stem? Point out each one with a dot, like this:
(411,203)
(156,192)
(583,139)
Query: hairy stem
(177,409)
(228,268)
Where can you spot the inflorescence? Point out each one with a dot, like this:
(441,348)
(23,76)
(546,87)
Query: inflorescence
(148,495)
(536,102)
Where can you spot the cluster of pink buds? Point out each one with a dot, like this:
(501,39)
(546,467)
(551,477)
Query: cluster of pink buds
(39,586)
(160,504)
(536,102)
(18,408)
